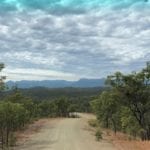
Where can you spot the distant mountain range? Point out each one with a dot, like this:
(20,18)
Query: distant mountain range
(82,83)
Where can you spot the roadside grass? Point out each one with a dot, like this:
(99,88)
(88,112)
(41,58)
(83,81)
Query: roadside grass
(98,133)
(124,141)
(121,141)
(93,123)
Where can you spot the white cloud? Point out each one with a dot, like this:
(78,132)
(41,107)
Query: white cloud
(36,74)
(91,44)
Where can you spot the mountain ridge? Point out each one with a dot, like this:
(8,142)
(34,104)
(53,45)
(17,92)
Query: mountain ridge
(82,83)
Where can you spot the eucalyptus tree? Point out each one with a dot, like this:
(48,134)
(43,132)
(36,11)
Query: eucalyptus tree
(134,89)
(107,108)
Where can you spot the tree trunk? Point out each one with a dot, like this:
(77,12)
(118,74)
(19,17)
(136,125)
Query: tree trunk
(2,139)
(7,137)
(114,126)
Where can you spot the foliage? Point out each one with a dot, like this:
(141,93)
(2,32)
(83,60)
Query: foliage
(20,107)
(98,134)
(12,117)
(2,78)
(93,123)
(126,106)
(107,110)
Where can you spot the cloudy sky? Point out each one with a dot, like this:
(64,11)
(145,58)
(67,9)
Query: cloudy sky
(72,39)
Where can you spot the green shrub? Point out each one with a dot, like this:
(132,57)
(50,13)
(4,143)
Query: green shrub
(98,134)
(93,123)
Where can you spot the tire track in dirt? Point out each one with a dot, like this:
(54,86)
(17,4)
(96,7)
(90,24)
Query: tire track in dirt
(66,134)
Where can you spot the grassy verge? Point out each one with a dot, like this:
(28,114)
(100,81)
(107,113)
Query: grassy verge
(94,124)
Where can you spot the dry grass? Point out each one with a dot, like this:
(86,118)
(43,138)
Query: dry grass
(93,123)
(122,142)
(23,135)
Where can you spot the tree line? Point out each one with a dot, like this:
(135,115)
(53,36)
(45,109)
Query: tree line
(126,106)
(78,96)
(18,110)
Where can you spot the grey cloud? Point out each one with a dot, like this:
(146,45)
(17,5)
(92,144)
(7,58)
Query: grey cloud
(87,45)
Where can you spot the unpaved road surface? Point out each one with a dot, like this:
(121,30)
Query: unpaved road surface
(66,134)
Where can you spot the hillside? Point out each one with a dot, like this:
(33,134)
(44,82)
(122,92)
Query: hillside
(82,83)
(42,93)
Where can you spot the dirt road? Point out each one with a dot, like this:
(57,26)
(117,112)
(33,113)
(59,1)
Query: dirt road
(66,134)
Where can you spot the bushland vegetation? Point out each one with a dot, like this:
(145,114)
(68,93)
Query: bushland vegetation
(19,107)
(126,106)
